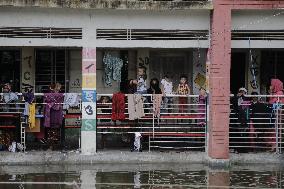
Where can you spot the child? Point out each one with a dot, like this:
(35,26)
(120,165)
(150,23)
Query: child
(141,80)
(167,89)
(183,89)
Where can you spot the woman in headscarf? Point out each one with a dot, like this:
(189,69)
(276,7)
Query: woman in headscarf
(276,88)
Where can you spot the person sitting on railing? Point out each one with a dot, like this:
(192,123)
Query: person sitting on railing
(141,80)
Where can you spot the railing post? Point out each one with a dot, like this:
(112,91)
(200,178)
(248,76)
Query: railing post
(206,125)
(153,120)
(276,125)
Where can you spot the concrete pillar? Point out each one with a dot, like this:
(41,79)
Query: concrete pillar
(218,179)
(88,129)
(88,179)
(28,68)
(219,82)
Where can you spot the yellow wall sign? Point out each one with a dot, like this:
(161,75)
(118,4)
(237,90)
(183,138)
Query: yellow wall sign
(89,81)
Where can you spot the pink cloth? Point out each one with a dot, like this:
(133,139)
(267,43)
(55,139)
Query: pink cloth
(157,101)
(277,90)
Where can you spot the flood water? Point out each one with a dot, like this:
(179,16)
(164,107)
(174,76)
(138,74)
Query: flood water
(154,176)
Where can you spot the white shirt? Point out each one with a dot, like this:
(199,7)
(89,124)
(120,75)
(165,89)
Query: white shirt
(167,86)
(141,86)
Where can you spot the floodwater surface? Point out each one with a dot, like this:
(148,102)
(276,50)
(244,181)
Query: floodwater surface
(154,176)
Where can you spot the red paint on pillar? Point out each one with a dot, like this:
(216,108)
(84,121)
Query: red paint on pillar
(220,82)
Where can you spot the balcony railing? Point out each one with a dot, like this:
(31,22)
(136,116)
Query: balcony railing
(178,127)
(181,124)
(14,127)
(257,126)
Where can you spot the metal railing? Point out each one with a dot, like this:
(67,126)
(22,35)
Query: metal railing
(14,124)
(257,126)
(178,127)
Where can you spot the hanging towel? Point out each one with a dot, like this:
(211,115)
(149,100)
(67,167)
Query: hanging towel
(31,119)
(29,98)
(118,106)
(71,100)
(135,106)
(157,102)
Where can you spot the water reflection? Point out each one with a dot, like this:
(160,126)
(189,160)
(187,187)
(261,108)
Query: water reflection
(138,176)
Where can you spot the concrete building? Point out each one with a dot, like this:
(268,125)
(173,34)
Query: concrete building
(48,41)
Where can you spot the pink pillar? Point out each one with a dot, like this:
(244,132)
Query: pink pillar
(219,82)
(218,179)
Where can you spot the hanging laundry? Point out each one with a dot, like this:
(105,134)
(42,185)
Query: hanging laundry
(53,109)
(71,100)
(31,118)
(28,98)
(112,68)
(10,97)
(118,106)
(135,106)
(157,102)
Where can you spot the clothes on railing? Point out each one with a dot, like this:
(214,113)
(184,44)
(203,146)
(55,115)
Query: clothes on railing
(10,97)
(157,102)
(29,110)
(135,106)
(118,106)
(31,118)
(53,109)
(71,100)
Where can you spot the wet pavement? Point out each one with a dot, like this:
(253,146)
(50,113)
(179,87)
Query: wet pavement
(140,176)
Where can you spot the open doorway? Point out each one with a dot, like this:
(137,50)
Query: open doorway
(173,64)
(238,70)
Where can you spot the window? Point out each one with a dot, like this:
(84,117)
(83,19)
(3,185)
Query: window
(50,68)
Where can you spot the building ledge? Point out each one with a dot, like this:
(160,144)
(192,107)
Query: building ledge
(112,4)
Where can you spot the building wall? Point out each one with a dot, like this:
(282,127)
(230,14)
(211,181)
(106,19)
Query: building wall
(90,20)
(75,73)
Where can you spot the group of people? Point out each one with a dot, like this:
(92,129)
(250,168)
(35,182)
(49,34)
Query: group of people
(162,92)
(139,86)
(256,118)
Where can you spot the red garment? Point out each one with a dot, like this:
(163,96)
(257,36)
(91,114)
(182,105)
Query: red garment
(181,101)
(118,106)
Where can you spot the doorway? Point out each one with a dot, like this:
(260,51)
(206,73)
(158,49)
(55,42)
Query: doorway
(238,70)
